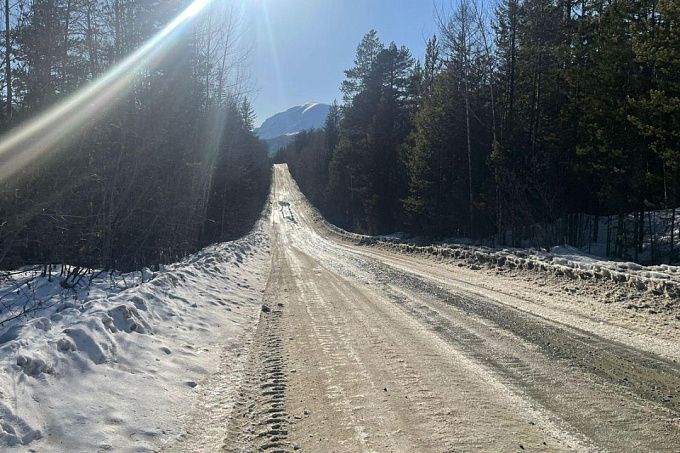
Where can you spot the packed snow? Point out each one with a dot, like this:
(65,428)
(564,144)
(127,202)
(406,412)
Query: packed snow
(118,361)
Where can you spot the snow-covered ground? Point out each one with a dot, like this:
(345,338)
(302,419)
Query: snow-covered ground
(121,363)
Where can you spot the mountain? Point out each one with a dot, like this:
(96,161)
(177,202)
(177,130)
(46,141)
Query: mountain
(279,130)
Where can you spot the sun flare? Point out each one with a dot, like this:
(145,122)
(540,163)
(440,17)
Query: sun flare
(41,135)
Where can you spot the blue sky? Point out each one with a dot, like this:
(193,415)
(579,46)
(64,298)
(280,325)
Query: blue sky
(301,47)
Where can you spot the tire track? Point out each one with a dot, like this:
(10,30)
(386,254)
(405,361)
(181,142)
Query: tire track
(259,421)
(378,353)
(427,392)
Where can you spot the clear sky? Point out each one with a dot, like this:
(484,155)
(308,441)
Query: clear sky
(301,47)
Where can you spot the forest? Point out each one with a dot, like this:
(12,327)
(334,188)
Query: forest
(517,124)
(169,164)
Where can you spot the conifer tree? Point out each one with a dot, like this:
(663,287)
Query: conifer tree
(357,77)
(656,112)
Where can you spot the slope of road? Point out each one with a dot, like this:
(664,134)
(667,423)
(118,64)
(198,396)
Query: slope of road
(363,349)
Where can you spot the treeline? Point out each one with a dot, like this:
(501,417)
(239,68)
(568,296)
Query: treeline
(544,109)
(170,163)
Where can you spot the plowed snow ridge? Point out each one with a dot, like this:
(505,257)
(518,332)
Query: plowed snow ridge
(123,370)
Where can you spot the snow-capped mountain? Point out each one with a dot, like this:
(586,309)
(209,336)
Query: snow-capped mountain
(280,129)
(303,117)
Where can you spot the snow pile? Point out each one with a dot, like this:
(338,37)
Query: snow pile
(559,261)
(117,363)
(660,280)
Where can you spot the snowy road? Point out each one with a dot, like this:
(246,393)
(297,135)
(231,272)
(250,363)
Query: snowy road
(362,349)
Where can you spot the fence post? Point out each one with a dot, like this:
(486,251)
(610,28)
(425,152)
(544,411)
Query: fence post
(590,232)
(671,255)
(636,235)
(651,237)
(609,234)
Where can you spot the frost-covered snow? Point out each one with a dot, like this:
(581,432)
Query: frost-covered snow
(119,363)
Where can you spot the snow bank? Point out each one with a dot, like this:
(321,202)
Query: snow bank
(660,280)
(117,365)
(559,261)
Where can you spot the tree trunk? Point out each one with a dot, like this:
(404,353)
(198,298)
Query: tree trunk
(609,236)
(490,57)
(8,60)
(208,61)
(641,232)
(469,151)
(90,41)
(671,254)
(118,41)
(64,61)
(652,244)
(637,236)
(466,76)
(513,58)
(620,235)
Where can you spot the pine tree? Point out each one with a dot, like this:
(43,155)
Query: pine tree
(366,177)
(247,115)
(656,113)
(332,129)
(357,76)
(506,28)
(436,204)
(611,158)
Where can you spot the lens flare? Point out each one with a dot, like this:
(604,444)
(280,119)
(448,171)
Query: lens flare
(271,40)
(39,136)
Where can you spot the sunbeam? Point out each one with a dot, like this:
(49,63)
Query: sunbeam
(40,135)
(272,48)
